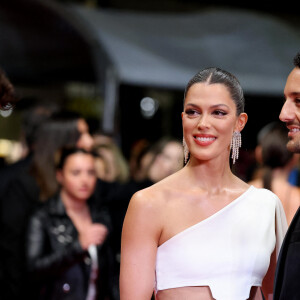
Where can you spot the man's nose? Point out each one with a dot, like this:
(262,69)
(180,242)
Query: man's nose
(287,113)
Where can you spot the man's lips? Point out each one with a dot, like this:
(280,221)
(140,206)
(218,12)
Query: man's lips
(293,130)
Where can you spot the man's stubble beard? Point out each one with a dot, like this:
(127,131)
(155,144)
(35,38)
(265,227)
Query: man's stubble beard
(294,145)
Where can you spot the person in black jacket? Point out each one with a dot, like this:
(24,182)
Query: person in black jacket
(67,253)
(30,187)
(286,286)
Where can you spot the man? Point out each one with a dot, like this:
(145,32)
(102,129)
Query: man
(287,275)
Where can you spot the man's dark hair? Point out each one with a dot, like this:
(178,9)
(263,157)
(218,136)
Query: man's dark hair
(7,92)
(297,60)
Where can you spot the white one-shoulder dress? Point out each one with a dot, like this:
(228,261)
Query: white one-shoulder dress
(229,251)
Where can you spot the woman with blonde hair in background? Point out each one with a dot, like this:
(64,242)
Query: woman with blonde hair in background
(113,167)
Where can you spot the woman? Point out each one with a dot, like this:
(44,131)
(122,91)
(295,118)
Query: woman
(115,165)
(167,159)
(64,128)
(202,233)
(277,163)
(66,241)
(32,186)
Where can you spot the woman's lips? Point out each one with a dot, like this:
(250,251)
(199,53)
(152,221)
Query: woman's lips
(204,140)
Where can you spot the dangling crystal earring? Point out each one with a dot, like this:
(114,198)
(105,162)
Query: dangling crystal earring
(236,143)
(185,151)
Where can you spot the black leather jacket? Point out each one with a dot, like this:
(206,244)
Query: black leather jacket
(60,268)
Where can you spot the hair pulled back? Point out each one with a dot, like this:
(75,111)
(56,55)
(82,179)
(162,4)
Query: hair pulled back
(217,75)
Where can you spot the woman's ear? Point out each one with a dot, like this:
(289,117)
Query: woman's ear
(59,176)
(241,122)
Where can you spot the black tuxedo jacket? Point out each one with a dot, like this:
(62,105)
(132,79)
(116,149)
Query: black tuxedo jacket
(287,276)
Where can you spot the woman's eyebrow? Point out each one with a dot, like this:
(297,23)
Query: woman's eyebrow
(213,106)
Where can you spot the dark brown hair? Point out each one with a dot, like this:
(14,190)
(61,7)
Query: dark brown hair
(60,130)
(274,152)
(217,75)
(297,60)
(7,92)
(63,153)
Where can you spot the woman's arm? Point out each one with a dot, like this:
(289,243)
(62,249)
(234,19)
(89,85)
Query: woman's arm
(140,235)
(42,259)
(267,284)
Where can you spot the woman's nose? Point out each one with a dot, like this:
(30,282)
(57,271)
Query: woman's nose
(203,121)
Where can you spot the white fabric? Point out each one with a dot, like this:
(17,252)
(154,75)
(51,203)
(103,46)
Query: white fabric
(92,289)
(229,251)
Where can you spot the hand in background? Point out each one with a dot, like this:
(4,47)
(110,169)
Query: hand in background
(94,234)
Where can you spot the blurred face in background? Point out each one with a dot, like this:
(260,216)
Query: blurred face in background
(85,140)
(78,176)
(169,161)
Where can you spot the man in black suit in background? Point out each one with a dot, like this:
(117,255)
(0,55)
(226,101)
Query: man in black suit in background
(287,282)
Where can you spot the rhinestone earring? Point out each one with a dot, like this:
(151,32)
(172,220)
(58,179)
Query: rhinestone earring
(236,143)
(185,151)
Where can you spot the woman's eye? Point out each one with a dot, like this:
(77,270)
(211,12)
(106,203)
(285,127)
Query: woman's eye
(220,113)
(92,172)
(191,112)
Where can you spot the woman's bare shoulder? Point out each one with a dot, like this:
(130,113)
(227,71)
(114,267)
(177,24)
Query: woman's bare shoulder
(155,195)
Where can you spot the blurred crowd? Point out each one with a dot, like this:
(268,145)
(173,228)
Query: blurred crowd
(63,203)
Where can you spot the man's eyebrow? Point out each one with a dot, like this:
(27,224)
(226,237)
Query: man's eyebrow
(293,94)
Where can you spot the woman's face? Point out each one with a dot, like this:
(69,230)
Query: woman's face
(85,140)
(78,176)
(209,120)
(167,162)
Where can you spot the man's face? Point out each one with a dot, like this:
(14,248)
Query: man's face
(290,113)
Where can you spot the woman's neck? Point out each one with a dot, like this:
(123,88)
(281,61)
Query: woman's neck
(70,203)
(213,175)
(280,174)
